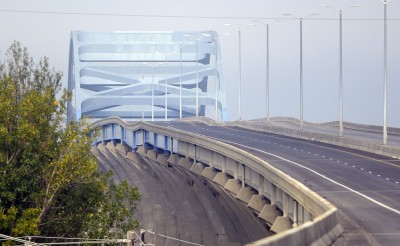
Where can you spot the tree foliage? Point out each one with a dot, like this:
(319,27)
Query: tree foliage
(49,181)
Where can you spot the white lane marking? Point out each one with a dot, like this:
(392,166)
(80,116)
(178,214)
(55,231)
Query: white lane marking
(369,172)
(319,174)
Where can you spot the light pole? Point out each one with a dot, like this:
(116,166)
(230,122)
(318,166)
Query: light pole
(166,85)
(180,46)
(152,90)
(266,25)
(385,2)
(301,63)
(152,93)
(216,39)
(197,70)
(240,66)
(144,64)
(340,11)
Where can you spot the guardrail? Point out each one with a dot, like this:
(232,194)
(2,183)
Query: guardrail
(346,125)
(283,191)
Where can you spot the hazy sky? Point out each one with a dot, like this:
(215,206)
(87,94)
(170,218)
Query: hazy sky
(48,32)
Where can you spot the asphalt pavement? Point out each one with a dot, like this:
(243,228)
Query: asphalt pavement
(364,187)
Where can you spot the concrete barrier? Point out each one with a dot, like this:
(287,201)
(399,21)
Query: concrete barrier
(348,142)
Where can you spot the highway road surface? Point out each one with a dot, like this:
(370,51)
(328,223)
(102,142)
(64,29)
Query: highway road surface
(364,187)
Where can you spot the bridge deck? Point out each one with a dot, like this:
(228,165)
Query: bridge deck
(365,187)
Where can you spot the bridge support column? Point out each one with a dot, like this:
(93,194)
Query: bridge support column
(236,170)
(133,139)
(306,216)
(260,184)
(213,160)
(244,175)
(223,164)
(295,214)
(300,214)
(221,178)
(122,148)
(233,186)
(185,163)
(209,172)
(246,194)
(258,202)
(273,194)
(281,223)
(285,204)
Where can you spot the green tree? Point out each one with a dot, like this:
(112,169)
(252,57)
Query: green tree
(49,181)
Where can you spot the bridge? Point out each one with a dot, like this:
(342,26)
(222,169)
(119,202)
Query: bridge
(210,182)
(244,182)
(146,75)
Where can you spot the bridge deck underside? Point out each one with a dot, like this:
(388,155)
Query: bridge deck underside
(180,204)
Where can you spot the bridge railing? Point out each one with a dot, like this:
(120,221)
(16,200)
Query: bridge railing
(305,217)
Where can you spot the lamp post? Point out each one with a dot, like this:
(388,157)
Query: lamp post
(215,73)
(180,46)
(340,12)
(266,25)
(301,63)
(385,2)
(152,93)
(152,90)
(144,64)
(240,66)
(197,70)
(166,85)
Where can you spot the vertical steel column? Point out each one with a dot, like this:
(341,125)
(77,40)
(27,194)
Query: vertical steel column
(301,74)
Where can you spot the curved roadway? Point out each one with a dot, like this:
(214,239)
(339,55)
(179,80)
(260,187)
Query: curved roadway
(365,187)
